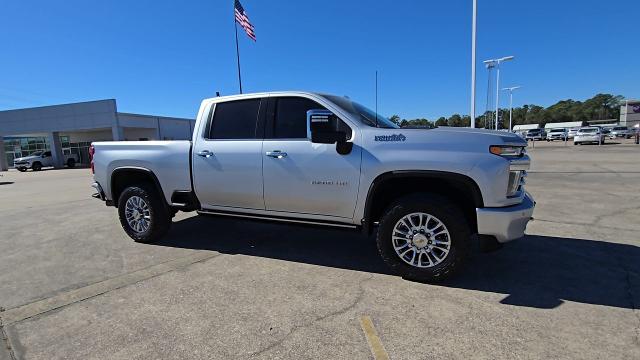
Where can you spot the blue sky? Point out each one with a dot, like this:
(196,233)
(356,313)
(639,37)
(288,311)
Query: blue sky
(164,57)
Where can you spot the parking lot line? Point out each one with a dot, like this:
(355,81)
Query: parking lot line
(26,311)
(375,345)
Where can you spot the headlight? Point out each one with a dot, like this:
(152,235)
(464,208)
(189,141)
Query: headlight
(507,150)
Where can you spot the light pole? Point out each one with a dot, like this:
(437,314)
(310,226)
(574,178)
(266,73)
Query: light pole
(473,63)
(496,63)
(510,90)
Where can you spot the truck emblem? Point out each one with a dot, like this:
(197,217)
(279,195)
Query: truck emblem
(394,137)
(329,182)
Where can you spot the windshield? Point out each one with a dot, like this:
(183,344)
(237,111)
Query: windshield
(557,130)
(619,128)
(37,153)
(362,113)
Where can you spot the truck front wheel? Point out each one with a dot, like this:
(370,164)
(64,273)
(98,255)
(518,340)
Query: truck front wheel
(143,214)
(423,237)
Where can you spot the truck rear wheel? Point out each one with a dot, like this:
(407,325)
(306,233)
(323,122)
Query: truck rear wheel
(143,214)
(423,237)
(71,163)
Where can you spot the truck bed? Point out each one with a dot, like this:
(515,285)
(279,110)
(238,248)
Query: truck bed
(169,161)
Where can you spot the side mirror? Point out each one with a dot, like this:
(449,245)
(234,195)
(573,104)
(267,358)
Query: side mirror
(323,127)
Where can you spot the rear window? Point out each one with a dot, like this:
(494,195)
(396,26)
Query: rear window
(235,120)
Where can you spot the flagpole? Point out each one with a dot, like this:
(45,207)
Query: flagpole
(238,54)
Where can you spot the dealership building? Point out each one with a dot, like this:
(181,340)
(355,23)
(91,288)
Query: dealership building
(630,114)
(70,129)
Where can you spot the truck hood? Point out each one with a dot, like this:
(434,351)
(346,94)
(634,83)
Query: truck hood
(27,158)
(458,135)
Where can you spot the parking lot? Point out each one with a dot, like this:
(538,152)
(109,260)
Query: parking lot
(73,285)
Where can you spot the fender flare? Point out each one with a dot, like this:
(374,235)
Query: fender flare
(454,178)
(145,171)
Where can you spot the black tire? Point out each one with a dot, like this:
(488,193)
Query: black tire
(71,163)
(447,213)
(160,221)
(22,169)
(36,166)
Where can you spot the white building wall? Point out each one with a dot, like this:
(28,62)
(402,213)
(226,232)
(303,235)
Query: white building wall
(89,136)
(525,127)
(66,117)
(167,128)
(171,129)
(135,134)
(564,125)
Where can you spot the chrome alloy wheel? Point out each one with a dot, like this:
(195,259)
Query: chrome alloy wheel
(421,240)
(138,214)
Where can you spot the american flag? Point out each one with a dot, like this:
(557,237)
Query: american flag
(243,20)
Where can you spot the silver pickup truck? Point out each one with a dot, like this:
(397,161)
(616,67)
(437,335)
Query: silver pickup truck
(326,160)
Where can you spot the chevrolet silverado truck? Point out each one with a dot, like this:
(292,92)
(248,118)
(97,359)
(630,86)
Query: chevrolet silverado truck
(40,159)
(308,158)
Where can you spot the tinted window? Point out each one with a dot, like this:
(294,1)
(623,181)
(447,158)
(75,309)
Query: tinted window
(291,117)
(47,153)
(235,120)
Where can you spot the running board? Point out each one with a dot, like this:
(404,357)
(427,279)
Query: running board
(274,218)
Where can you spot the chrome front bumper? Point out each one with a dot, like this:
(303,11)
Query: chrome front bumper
(100,193)
(507,223)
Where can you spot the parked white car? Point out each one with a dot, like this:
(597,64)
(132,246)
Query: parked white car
(572,132)
(557,134)
(40,159)
(589,135)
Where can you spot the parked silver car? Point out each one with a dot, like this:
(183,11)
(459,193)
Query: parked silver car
(536,135)
(621,132)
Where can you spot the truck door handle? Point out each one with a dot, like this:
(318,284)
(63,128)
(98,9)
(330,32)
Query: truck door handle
(205,153)
(276,154)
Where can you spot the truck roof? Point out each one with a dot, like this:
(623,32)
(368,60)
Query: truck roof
(263,94)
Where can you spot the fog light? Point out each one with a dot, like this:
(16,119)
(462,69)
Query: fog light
(514,182)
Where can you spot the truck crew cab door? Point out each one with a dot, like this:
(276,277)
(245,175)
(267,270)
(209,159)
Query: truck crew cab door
(301,177)
(227,156)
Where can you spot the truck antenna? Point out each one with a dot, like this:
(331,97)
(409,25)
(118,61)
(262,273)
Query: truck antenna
(376,98)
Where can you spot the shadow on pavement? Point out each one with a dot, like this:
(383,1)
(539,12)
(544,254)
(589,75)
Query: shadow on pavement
(537,271)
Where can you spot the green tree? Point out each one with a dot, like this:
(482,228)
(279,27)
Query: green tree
(442,121)
(395,119)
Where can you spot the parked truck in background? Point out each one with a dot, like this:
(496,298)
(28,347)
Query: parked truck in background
(40,159)
(325,160)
